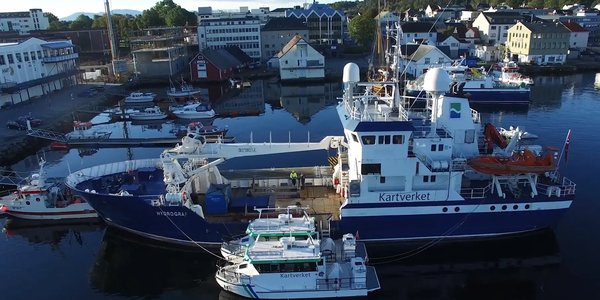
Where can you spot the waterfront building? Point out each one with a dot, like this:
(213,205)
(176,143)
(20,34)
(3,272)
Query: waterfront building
(243,32)
(298,60)
(160,52)
(278,32)
(493,26)
(590,23)
(23,22)
(35,67)
(541,43)
(213,65)
(325,24)
(578,39)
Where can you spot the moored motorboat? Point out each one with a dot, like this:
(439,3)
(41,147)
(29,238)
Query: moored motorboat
(149,113)
(139,97)
(184,90)
(195,111)
(200,128)
(289,268)
(38,199)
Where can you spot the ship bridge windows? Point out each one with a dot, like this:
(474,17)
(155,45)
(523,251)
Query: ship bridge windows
(427,178)
(381,139)
(368,139)
(354,137)
(367,169)
(286,267)
(437,147)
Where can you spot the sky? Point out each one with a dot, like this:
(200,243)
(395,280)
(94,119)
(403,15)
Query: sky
(63,8)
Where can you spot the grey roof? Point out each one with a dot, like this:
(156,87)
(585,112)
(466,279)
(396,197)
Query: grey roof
(546,27)
(19,14)
(502,17)
(58,45)
(239,54)
(220,58)
(417,27)
(278,24)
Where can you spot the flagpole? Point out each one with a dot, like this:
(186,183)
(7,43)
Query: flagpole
(562,151)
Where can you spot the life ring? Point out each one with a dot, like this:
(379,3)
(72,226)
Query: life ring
(184,197)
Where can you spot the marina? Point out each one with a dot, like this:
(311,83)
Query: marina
(420,269)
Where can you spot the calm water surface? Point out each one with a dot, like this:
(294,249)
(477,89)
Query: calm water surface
(90,262)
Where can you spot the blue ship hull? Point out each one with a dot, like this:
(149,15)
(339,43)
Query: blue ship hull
(180,225)
(488,96)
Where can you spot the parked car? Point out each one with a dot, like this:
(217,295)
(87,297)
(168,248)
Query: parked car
(15,125)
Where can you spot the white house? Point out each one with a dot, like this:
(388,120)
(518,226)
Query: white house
(489,52)
(493,26)
(424,58)
(452,43)
(23,22)
(417,33)
(35,67)
(298,60)
(243,32)
(579,36)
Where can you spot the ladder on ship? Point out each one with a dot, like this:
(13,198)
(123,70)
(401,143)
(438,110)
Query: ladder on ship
(325,227)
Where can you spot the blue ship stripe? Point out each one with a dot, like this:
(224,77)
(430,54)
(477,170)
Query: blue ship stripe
(252,291)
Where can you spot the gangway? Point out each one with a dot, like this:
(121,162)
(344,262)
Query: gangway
(48,135)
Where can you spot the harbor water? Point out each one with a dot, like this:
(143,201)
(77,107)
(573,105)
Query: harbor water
(89,261)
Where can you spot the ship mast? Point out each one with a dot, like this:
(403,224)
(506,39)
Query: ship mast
(111,36)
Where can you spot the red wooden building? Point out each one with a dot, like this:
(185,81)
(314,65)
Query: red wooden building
(213,65)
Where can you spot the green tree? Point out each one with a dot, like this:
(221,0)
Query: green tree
(51,17)
(362,28)
(82,22)
(59,25)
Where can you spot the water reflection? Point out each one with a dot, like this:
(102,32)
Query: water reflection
(241,102)
(127,266)
(501,268)
(39,233)
(303,101)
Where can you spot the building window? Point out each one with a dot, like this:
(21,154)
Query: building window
(10,58)
(26,56)
(33,55)
(2,61)
(398,139)
(19,58)
(427,60)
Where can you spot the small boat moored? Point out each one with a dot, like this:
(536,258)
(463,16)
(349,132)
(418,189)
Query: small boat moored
(289,268)
(149,113)
(195,111)
(139,97)
(38,199)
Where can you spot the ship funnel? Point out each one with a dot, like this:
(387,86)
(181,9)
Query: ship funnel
(435,80)
(351,73)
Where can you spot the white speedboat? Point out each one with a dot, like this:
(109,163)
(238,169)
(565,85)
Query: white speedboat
(512,131)
(40,200)
(294,221)
(288,268)
(139,97)
(195,111)
(150,113)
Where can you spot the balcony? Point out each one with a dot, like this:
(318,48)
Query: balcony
(60,58)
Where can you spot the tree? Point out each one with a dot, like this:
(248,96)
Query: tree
(362,28)
(82,22)
(51,17)
(166,13)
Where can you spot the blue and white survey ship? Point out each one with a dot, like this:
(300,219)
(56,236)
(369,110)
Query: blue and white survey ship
(400,174)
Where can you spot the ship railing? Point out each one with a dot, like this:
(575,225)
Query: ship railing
(566,188)
(112,168)
(475,193)
(339,284)
(231,276)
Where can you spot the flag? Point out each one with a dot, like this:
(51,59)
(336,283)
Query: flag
(567,142)
(356,236)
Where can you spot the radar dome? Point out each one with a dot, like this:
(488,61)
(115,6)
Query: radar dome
(351,73)
(436,80)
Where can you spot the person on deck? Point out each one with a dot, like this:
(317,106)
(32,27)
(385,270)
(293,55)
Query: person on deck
(302,180)
(294,178)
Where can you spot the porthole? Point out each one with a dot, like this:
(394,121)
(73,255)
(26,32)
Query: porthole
(457,209)
(527,206)
(445,209)
(492,208)
(515,207)
(27,202)
(37,199)
(504,207)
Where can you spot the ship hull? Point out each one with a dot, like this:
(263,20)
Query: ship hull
(373,223)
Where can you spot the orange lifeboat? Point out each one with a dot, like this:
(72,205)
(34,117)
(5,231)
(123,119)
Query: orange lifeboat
(521,162)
